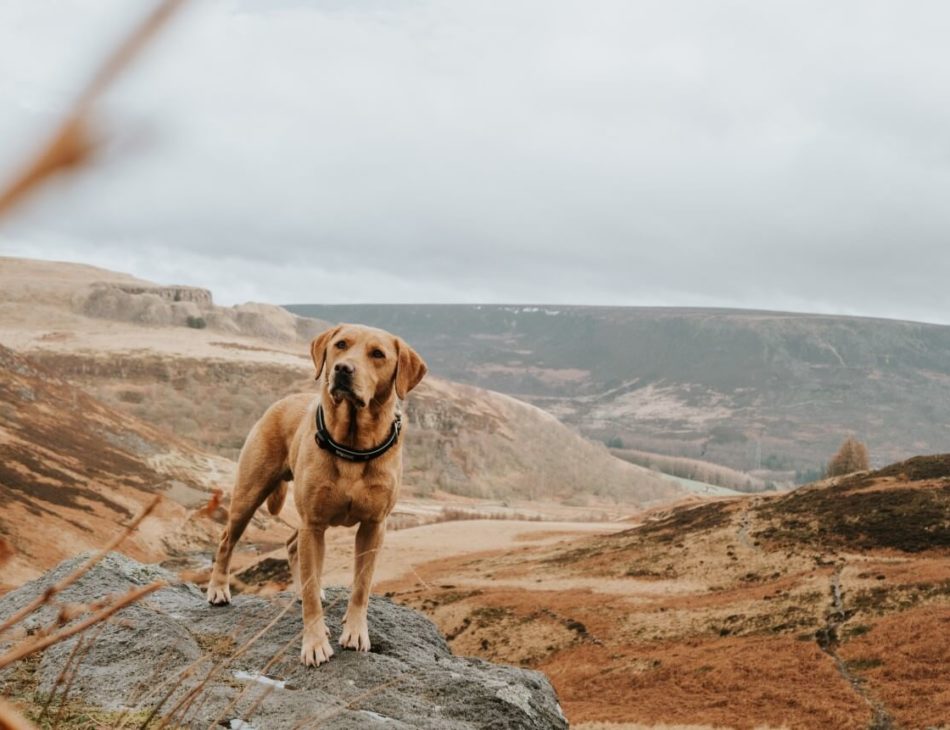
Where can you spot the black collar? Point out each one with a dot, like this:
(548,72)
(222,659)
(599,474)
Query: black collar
(326,442)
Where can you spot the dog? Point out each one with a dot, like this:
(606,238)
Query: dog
(343,451)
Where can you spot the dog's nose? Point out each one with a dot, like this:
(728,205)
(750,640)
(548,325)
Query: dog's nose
(344,368)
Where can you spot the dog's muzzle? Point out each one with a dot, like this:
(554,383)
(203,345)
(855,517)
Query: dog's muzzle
(342,388)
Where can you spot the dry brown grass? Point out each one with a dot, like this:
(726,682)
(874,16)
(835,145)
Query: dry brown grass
(662,726)
(692,619)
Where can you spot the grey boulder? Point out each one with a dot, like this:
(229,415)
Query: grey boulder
(158,652)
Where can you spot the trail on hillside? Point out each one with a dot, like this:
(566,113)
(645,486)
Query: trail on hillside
(827,638)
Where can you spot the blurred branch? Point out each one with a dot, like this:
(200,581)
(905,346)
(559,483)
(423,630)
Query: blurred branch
(47,595)
(26,648)
(11,719)
(72,145)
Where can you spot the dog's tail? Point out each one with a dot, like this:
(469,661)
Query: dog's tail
(275,500)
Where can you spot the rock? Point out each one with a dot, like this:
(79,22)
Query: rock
(164,306)
(410,679)
(194,294)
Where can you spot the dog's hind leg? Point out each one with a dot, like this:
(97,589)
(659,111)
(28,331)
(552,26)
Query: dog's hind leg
(259,474)
(293,558)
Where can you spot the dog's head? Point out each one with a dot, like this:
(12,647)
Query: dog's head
(362,364)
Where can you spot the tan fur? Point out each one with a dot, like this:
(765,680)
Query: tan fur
(275,500)
(328,491)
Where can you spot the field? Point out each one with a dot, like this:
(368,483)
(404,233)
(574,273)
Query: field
(744,612)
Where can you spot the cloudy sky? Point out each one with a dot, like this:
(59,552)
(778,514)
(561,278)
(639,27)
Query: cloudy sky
(784,155)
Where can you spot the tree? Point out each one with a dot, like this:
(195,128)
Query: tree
(852,456)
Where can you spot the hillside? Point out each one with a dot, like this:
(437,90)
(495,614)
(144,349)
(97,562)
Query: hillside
(73,471)
(209,385)
(43,300)
(462,440)
(757,391)
(825,607)
(466,440)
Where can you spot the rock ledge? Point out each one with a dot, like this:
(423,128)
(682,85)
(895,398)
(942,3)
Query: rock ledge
(409,680)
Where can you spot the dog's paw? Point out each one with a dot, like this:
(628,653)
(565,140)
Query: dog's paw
(315,652)
(219,595)
(355,635)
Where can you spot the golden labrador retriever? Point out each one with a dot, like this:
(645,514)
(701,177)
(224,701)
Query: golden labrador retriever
(343,452)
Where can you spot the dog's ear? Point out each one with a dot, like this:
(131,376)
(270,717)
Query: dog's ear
(318,348)
(409,370)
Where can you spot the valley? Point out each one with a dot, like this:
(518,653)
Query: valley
(650,601)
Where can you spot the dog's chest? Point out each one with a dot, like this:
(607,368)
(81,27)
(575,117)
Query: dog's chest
(350,495)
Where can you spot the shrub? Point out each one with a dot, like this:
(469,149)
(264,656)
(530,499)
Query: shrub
(197,323)
(614,443)
(852,456)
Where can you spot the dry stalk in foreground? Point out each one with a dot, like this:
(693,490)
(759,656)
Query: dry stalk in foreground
(190,697)
(6,551)
(50,592)
(27,647)
(66,672)
(69,148)
(10,718)
(72,145)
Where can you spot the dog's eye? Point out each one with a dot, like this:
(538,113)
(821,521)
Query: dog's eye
(378,354)
(341,345)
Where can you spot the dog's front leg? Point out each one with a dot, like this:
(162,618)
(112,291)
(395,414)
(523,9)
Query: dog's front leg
(369,540)
(316,648)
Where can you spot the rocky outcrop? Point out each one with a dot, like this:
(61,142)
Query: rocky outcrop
(197,295)
(141,662)
(190,306)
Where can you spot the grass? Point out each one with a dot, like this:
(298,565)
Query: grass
(907,520)
(703,518)
(75,715)
(864,663)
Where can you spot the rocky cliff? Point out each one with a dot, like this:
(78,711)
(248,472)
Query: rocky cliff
(172,644)
(192,307)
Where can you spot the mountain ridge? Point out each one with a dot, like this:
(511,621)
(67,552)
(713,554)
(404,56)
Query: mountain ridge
(771,393)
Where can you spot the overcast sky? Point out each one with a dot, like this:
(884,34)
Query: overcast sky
(784,155)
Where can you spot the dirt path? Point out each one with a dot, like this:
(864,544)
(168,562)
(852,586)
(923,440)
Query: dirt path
(827,637)
(745,523)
